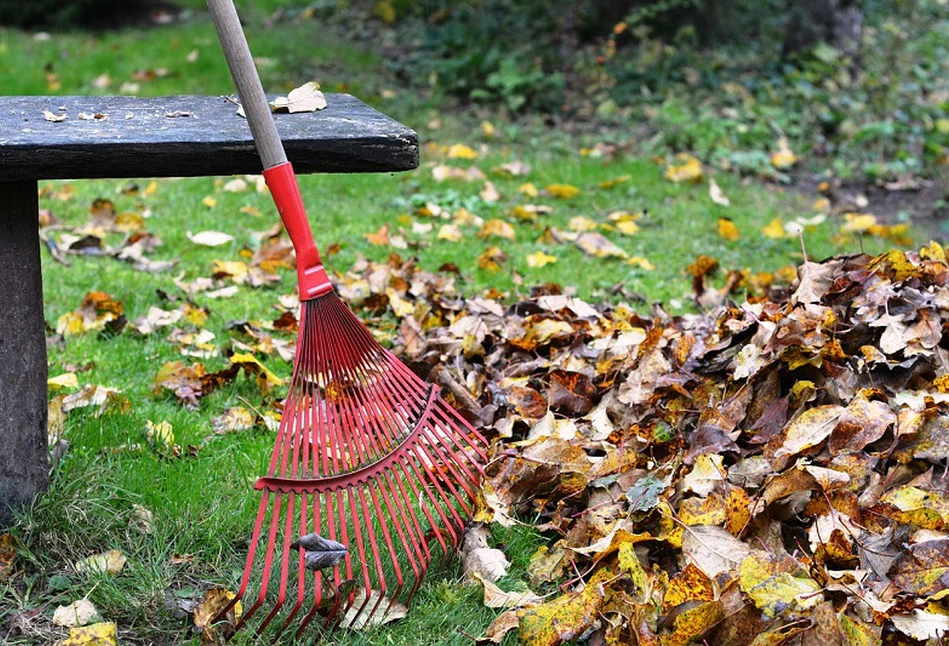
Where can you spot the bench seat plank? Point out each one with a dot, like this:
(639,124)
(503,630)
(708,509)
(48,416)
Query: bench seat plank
(188,136)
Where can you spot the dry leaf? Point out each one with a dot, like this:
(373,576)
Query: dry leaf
(384,610)
(306,98)
(687,169)
(110,562)
(77,613)
(715,192)
(101,634)
(495,597)
(210,238)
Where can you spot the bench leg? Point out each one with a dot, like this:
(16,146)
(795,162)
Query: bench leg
(24,460)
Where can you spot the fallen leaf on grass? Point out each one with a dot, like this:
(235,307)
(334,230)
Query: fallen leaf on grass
(540,259)
(206,612)
(688,169)
(489,193)
(65,380)
(497,229)
(306,98)
(728,230)
(91,396)
(210,238)
(101,634)
(450,232)
(477,557)
(236,185)
(110,562)
(77,613)
(562,191)
(495,597)
(161,437)
(512,169)
(775,230)
(599,246)
(715,192)
(501,626)
(378,610)
(236,418)
(783,158)
(492,258)
(461,151)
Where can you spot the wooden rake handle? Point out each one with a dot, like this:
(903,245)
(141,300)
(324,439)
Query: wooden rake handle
(311,276)
(244,73)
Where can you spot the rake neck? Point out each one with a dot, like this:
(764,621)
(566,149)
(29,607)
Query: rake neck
(311,275)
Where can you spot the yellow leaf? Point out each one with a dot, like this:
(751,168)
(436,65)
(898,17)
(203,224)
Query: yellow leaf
(497,228)
(629,563)
(690,584)
(101,634)
(65,380)
(599,246)
(250,363)
(727,229)
(783,158)
(775,230)
(210,606)
(540,259)
(209,202)
(111,562)
(639,261)
(858,222)
(449,232)
(461,151)
(492,258)
(233,269)
(627,227)
(160,435)
(399,305)
(689,169)
(582,223)
(151,188)
(566,617)
(562,191)
(487,130)
(693,622)
(821,205)
(529,189)
(918,507)
(773,589)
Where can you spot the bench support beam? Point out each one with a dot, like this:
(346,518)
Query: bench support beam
(24,459)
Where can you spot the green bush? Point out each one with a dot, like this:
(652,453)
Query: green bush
(56,14)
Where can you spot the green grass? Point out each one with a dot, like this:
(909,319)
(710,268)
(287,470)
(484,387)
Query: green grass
(204,504)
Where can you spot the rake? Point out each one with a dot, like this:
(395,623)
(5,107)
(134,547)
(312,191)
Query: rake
(372,474)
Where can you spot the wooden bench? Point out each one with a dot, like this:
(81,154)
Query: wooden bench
(120,137)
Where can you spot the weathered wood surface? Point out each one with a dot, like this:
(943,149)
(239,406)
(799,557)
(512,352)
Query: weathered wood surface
(186,136)
(24,464)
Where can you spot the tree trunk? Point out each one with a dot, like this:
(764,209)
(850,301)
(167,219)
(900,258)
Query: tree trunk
(838,23)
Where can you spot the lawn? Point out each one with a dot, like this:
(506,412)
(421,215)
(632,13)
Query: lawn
(202,502)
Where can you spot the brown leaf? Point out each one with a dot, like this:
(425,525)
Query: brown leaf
(527,402)
(570,392)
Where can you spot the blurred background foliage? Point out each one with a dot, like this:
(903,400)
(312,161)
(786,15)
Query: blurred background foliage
(858,84)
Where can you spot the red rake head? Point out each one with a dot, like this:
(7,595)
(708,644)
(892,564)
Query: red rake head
(372,474)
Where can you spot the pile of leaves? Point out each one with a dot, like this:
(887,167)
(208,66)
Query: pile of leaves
(768,472)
